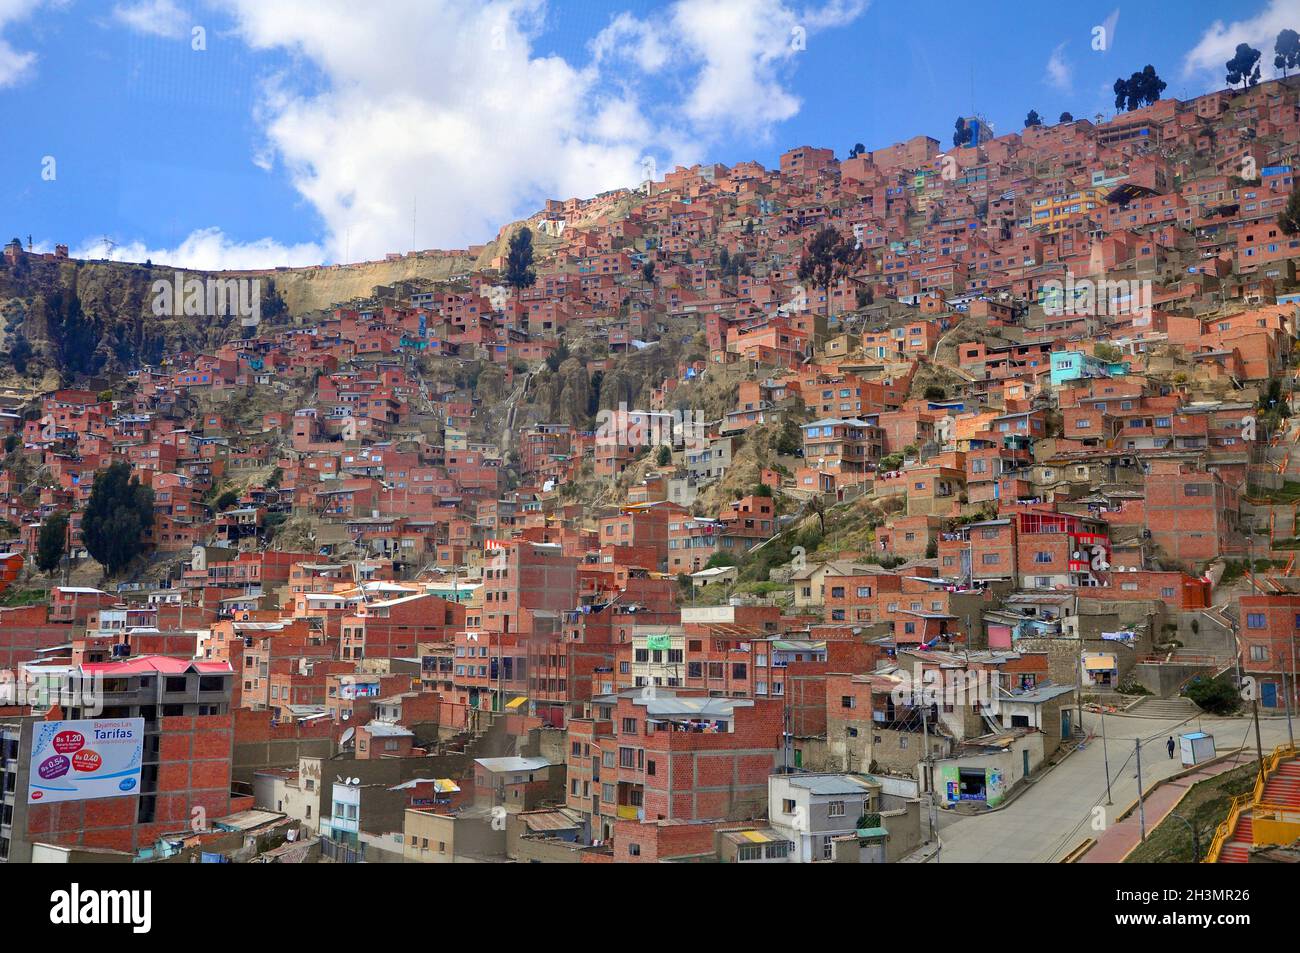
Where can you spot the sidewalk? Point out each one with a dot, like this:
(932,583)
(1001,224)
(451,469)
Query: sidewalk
(1119,839)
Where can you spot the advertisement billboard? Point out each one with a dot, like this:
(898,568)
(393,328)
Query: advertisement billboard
(77,760)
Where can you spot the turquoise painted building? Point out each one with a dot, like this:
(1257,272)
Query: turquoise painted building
(1075,365)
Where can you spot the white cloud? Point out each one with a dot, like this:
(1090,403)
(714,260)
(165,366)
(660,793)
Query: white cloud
(630,37)
(449,121)
(453,120)
(154,17)
(731,57)
(16,66)
(1060,74)
(207,249)
(430,123)
(1206,60)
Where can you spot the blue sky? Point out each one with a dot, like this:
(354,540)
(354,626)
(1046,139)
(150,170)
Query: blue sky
(303,131)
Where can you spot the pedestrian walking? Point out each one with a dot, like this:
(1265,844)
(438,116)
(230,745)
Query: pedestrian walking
(1170,745)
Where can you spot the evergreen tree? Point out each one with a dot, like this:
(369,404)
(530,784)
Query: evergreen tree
(52,542)
(828,257)
(1244,66)
(119,512)
(519,260)
(1287,50)
(1289,219)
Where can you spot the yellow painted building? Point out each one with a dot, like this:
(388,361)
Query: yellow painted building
(1054,212)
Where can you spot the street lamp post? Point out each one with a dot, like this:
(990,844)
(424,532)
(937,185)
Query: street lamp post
(1142,813)
(1105,756)
(1286,692)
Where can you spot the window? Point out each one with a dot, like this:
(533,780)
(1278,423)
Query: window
(835,809)
(788,806)
(848,701)
(1259,653)
(1255,620)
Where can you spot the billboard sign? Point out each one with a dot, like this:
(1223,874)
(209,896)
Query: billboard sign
(91,758)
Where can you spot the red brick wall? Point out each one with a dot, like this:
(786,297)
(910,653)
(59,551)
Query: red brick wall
(193,773)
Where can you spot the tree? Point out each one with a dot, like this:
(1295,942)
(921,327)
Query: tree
(1287,48)
(1105,351)
(648,271)
(1241,65)
(20,353)
(117,515)
(226,500)
(1218,696)
(857,150)
(558,356)
(790,440)
(1140,89)
(962,133)
(829,257)
(1289,218)
(519,260)
(818,506)
(1066,117)
(665,455)
(52,542)
(1033,119)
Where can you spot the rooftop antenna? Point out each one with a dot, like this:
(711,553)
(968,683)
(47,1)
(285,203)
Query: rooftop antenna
(365,593)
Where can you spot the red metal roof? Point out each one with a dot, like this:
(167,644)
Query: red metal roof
(162,664)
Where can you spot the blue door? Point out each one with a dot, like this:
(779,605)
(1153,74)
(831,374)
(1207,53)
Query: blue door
(1268,694)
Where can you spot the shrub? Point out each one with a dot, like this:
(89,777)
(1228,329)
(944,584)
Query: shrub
(1218,696)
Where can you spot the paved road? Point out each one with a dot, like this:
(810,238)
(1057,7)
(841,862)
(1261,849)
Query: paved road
(1055,814)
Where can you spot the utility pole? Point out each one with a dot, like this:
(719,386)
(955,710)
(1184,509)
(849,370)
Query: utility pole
(1293,691)
(1259,746)
(1105,757)
(1286,695)
(1142,813)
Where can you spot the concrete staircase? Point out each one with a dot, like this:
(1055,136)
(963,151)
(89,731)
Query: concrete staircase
(1283,788)
(1169,709)
(1277,805)
(1237,850)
